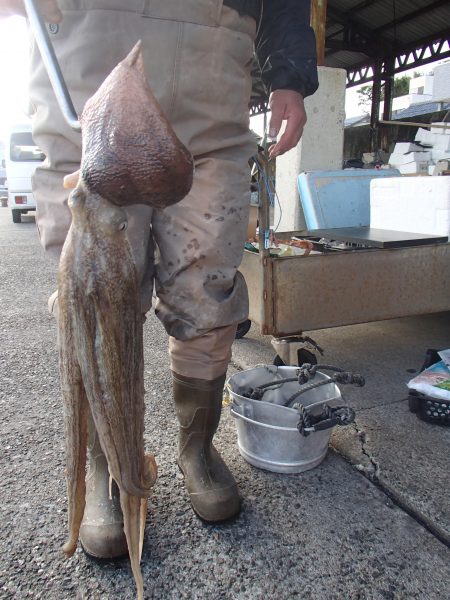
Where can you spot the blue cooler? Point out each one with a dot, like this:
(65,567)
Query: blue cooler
(333,199)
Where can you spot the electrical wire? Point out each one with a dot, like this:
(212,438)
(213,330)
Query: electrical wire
(266,180)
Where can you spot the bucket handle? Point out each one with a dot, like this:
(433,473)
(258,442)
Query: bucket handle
(305,375)
(338,415)
(238,415)
(329,417)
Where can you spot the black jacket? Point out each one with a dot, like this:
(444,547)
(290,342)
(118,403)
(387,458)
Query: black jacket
(286,46)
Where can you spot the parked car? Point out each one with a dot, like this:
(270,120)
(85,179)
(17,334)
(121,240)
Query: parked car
(22,158)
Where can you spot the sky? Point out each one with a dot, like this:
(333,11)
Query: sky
(14,49)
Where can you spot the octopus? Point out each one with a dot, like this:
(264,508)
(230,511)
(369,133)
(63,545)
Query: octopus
(130,155)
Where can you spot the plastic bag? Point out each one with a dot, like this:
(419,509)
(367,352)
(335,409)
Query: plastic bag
(433,382)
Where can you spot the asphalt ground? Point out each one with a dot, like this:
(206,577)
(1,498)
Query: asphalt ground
(371,522)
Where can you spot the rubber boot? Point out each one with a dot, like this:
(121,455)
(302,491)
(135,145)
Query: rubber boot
(211,487)
(101,532)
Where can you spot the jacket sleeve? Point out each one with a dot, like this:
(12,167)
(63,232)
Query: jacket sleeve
(286,47)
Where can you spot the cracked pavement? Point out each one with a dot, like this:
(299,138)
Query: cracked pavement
(404,456)
(370,468)
(370,523)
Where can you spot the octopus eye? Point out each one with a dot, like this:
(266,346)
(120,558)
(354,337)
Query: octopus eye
(123,226)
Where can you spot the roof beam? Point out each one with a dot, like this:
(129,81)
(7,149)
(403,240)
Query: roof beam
(356,36)
(411,16)
(358,45)
(362,5)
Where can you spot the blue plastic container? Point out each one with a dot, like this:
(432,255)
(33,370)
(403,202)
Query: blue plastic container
(338,198)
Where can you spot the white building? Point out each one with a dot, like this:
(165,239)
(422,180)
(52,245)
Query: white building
(421,88)
(433,87)
(441,83)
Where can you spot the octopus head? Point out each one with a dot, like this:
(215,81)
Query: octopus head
(131,154)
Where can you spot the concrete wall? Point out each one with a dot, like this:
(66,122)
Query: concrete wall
(319,149)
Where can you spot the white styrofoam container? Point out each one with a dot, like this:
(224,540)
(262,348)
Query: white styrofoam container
(402,159)
(443,127)
(402,147)
(413,204)
(414,168)
(424,136)
(437,154)
(441,141)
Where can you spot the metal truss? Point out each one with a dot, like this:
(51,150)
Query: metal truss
(259,101)
(428,52)
(258,107)
(431,50)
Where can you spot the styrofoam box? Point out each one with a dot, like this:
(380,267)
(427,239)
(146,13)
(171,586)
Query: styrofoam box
(413,204)
(402,147)
(402,159)
(424,136)
(437,154)
(444,127)
(441,141)
(413,168)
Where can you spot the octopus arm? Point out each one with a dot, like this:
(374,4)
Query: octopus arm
(111,362)
(75,420)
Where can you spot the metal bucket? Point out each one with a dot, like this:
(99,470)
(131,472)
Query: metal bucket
(267,432)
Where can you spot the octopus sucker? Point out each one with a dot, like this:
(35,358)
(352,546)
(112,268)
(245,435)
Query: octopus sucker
(130,155)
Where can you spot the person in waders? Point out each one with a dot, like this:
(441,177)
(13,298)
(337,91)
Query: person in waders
(198,55)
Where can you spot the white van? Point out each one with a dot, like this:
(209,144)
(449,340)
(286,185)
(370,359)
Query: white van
(22,158)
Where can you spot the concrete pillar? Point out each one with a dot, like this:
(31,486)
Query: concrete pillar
(320,149)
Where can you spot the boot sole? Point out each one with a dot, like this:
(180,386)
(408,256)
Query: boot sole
(206,521)
(103,559)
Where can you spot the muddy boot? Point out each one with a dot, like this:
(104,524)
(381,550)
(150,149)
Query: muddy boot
(101,532)
(211,487)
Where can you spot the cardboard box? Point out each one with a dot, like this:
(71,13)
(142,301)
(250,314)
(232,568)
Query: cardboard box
(368,157)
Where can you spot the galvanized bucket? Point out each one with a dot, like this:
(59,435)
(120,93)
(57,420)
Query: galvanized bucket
(268,433)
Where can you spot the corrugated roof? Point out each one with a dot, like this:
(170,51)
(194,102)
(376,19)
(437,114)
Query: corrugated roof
(360,31)
(424,108)
(367,29)
(415,110)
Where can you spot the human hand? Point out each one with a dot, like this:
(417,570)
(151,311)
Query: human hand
(70,181)
(286,105)
(48,9)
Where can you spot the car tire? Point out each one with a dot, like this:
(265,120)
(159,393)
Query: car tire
(16,216)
